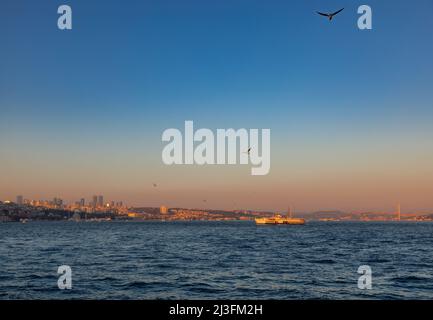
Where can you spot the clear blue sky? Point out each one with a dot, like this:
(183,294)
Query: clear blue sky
(90,104)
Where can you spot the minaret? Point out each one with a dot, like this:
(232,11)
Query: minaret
(290,212)
(398,212)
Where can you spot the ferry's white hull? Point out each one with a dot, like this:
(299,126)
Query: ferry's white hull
(277,220)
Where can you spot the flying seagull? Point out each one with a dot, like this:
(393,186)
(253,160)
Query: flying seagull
(155,185)
(330,15)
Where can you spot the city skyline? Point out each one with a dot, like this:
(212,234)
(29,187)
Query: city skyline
(59,210)
(349,111)
(96,201)
(93,201)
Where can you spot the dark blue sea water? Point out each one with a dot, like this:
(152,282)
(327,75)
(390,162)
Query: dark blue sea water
(216,260)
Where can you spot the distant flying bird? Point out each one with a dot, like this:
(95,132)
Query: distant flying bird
(330,15)
(155,185)
(248,151)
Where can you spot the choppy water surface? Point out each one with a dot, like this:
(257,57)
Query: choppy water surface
(216,260)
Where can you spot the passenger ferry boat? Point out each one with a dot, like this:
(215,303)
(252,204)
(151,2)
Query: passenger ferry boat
(279,219)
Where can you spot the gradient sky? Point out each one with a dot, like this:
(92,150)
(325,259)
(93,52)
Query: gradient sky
(350,111)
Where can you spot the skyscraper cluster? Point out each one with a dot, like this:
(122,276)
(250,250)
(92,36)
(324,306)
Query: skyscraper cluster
(96,203)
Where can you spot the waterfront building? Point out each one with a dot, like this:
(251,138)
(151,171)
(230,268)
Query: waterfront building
(20,200)
(163,210)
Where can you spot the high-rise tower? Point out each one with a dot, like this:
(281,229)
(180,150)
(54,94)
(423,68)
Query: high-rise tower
(100,201)
(94,201)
